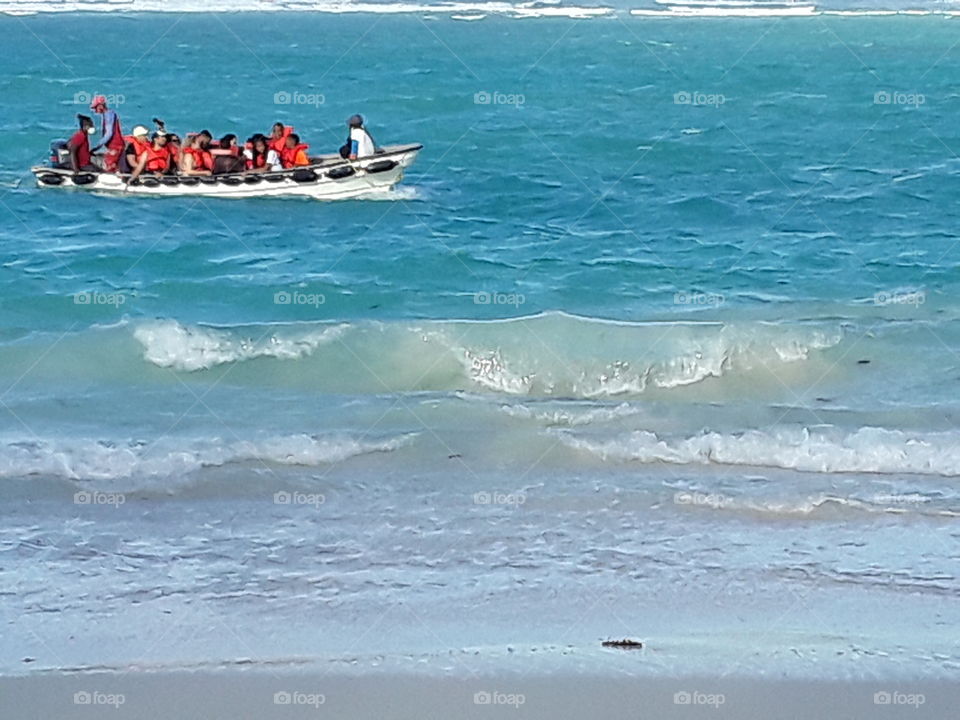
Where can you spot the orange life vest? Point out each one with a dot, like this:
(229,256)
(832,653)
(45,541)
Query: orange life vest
(139,146)
(297,155)
(280,143)
(198,158)
(158,160)
(205,157)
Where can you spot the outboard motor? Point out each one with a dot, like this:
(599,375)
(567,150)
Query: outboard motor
(59,154)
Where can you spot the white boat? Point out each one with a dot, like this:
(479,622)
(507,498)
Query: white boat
(328,177)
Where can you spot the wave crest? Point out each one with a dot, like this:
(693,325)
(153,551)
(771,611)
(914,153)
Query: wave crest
(90,459)
(167,343)
(869,450)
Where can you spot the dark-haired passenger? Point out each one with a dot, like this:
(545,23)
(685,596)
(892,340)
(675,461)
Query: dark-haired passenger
(79,145)
(278,136)
(226,156)
(260,156)
(294,152)
(175,152)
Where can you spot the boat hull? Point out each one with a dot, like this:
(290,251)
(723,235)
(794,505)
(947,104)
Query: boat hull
(328,178)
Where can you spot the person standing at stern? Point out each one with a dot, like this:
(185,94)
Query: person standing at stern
(111,136)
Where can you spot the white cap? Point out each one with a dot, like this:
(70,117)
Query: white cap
(140,131)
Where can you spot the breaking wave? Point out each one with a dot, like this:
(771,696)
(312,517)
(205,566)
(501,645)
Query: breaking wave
(92,459)
(550,355)
(868,450)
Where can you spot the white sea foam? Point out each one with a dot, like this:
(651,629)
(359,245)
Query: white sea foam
(469,11)
(92,459)
(571,417)
(869,449)
(693,9)
(549,355)
(661,358)
(518,10)
(812,504)
(729,10)
(167,343)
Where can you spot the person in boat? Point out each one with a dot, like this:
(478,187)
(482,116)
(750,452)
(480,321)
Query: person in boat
(111,135)
(361,144)
(155,159)
(175,152)
(278,136)
(136,144)
(193,157)
(294,152)
(206,145)
(260,156)
(78,145)
(226,156)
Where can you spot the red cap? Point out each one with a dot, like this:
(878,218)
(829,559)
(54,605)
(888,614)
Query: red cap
(97,100)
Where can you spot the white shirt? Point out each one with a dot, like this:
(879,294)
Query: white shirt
(273,158)
(364,142)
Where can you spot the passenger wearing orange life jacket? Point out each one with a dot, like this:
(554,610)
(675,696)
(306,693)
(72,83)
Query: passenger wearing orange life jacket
(205,144)
(260,157)
(174,153)
(155,159)
(294,152)
(278,136)
(193,160)
(134,148)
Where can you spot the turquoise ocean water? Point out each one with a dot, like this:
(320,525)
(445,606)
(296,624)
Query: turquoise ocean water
(663,322)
